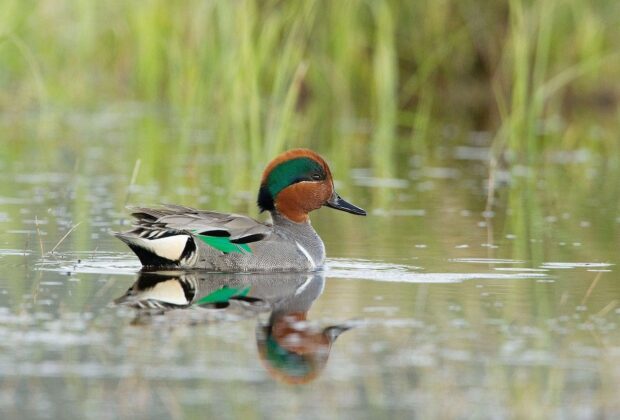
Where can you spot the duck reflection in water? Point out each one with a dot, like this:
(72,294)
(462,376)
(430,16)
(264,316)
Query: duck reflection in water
(291,348)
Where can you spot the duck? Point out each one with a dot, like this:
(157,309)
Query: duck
(293,184)
(291,348)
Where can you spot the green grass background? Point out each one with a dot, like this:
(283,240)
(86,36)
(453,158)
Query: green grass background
(266,74)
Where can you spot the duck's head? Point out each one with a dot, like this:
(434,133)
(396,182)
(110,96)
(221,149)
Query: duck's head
(293,350)
(297,182)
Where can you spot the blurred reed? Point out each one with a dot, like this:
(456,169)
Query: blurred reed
(361,81)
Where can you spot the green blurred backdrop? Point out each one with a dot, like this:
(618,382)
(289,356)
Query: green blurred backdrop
(364,82)
(498,119)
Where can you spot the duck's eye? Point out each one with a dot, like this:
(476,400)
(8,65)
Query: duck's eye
(316,177)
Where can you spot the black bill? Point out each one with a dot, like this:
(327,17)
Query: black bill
(336,202)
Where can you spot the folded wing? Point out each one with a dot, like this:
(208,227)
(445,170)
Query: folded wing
(162,221)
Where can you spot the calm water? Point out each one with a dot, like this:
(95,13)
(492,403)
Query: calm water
(428,307)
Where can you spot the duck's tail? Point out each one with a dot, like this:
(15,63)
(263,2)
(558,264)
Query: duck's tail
(162,250)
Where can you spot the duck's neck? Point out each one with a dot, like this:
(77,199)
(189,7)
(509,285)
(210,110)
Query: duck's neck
(304,235)
(292,212)
(281,220)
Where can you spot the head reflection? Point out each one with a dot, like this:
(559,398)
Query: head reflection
(291,348)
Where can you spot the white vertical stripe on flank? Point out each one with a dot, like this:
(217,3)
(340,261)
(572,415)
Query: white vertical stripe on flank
(307,254)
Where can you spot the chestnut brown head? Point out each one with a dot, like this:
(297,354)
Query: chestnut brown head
(297,182)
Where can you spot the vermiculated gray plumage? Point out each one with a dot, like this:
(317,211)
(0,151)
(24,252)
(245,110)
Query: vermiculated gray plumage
(182,237)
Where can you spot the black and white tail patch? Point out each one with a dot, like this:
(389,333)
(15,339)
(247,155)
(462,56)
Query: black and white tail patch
(179,249)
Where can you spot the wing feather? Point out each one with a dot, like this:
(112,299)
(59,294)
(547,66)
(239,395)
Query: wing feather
(175,218)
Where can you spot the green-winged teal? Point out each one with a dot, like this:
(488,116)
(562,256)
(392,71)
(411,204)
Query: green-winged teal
(293,184)
(291,348)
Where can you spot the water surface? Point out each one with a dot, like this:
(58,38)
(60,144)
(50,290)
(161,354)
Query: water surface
(432,306)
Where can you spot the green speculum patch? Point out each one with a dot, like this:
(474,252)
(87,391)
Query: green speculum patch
(290,172)
(223,295)
(223,244)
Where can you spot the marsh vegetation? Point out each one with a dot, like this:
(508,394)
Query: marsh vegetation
(482,140)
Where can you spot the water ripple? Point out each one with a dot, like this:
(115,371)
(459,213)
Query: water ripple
(368,270)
